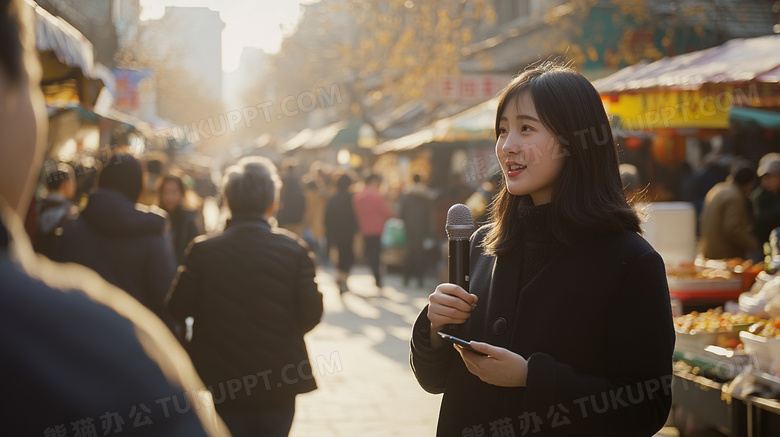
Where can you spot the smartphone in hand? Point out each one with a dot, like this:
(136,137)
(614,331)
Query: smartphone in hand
(460,342)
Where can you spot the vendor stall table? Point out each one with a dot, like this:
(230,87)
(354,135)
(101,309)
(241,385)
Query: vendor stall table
(702,397)
(745,416)
(761,417)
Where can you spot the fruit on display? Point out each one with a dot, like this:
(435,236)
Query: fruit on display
(713,320)
(715,269)
(694,272)
(766,328)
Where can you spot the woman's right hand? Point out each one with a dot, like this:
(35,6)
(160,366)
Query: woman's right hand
(449,304)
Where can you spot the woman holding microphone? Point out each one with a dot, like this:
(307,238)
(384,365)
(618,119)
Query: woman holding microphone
(567,301)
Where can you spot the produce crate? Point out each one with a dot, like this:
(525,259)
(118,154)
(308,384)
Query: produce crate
(765,350)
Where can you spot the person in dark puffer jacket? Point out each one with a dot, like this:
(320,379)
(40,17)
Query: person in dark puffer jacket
(125,243)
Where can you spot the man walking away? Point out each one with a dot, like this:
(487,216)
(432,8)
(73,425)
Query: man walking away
(252,294)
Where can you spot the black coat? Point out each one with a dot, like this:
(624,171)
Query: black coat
(341,223)
(76,348)
(766,210)
(184,228)
(416,211)
(252,293)
(595,326)
(126,245)
(293,202)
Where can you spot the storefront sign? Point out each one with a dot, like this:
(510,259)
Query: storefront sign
(668,109)
(470,87)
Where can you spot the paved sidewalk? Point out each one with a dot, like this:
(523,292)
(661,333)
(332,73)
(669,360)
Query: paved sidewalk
(361,362)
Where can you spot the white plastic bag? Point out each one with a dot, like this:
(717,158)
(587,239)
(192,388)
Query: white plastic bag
(756,303)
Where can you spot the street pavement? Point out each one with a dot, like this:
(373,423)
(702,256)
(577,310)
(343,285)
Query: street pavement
(360,353)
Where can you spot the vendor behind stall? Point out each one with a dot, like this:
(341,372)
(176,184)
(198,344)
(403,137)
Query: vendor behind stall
(726,220)
(766,197)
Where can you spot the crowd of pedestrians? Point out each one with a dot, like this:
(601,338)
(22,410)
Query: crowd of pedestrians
(344,218)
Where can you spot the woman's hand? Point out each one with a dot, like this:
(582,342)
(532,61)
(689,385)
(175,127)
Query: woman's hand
(501,367)
(449,304)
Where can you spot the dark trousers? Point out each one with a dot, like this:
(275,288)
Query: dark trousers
(372,248)
(273,421)
(414,265)
(346,253)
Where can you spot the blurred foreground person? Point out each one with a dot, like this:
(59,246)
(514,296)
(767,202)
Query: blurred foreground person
(55,209)
(726,220)
(80,356)
(252,294)
(124,242)
(185,222)
(340,228)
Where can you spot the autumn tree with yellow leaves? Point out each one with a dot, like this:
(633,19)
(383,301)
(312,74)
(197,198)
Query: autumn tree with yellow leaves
(380,53)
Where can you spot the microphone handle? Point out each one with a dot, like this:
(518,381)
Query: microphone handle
(458,262)
(458,266)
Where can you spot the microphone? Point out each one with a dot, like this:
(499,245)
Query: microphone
(459,227)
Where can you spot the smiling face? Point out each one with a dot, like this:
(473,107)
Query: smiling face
(529,154)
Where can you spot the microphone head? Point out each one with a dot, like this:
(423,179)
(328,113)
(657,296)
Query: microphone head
(460,224)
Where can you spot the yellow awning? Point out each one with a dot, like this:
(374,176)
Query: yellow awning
(671,109)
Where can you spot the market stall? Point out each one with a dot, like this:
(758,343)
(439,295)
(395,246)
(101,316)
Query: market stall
(456,152)
(727,364)
(336,142)
(670,114)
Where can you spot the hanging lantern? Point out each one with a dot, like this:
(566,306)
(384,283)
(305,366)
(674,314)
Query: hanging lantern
(668,149)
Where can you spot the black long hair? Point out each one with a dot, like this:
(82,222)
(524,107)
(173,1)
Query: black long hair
(587,196)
